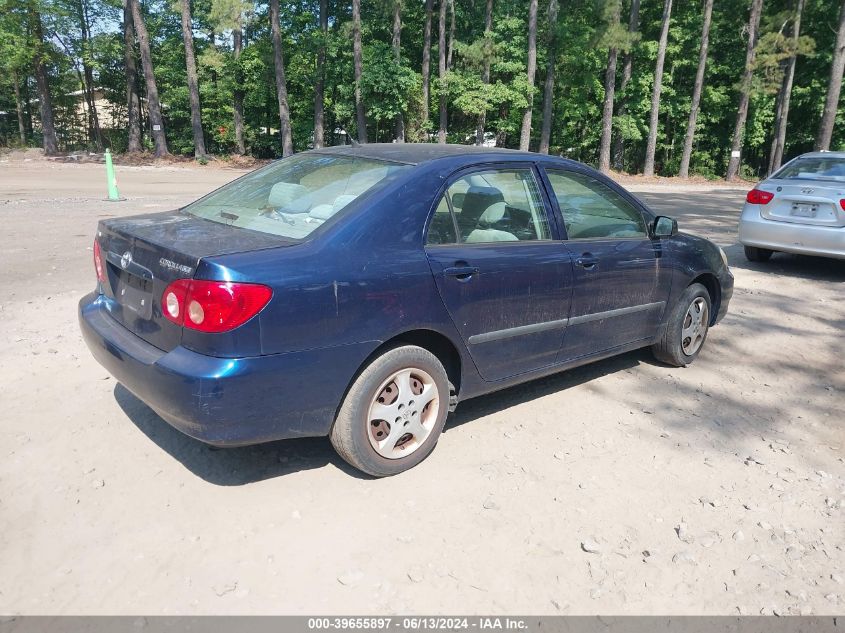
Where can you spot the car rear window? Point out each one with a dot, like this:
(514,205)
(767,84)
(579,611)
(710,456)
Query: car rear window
(814,168)
(294,196)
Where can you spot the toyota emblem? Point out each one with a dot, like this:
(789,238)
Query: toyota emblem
(125,259)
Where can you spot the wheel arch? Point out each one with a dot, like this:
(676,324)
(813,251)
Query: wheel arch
(714,288)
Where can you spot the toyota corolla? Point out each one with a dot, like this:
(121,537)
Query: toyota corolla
(361,293)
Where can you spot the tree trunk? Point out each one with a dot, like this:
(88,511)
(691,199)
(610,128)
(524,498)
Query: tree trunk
(485,73)
(525,132)
(95,135)
(360,112)
(153,103)
(319,88)
(609,95)
(834,86)
(745,88)
(627,71)
(655,93)
(193,83)
(42,81)
(426,65)
(549,88)
(450,48)
(397,55)
(696,90)
(238,92)
(441,67)
(776,156)
(133,102)
(19,107)
(281,84)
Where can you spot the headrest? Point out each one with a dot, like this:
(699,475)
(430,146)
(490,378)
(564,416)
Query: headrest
(283,196)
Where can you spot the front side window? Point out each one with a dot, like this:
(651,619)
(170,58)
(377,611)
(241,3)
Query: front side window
(295,195)
(814,168)
(497,205)
(592,210)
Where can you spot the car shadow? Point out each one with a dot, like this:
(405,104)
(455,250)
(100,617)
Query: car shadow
(797,266)
(231,466)
(249,464)
(526,392)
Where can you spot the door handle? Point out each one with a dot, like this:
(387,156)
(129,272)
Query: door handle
(461,272)
(587,260)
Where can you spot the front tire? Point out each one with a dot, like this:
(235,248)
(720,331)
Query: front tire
(393,413)
(754,254)
(686,328)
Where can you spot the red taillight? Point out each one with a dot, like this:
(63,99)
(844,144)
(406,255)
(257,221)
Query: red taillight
(98,263)
(758,196)
(213,306)
(842,204)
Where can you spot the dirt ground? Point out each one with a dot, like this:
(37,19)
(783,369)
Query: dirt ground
(623,487)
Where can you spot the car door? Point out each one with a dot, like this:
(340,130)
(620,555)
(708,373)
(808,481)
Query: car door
(617,298)
(505,279)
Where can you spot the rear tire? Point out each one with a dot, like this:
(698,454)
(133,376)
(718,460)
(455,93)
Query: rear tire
(686,328)
(393,413)
(754,254)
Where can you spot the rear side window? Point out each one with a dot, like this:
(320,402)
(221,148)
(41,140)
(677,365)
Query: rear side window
(295,195)
(592,210)
(814,168)
(496,205)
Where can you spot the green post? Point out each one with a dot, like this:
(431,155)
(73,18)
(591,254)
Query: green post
(110,178)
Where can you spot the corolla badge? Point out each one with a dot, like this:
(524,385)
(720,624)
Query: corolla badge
(807,190)
(125,259)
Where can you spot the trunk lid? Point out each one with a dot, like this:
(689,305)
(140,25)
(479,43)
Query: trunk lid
(143,254)
(806,202)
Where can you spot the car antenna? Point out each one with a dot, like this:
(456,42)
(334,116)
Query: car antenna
(354,142)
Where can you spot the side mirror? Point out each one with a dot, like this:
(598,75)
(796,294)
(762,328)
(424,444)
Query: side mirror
(664,226)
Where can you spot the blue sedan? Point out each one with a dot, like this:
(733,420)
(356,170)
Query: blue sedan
(361,293)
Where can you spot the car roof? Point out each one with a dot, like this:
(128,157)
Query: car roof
(417,153)
(822,155)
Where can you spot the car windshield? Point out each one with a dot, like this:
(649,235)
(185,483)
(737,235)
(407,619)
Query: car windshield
(295,195)
(814,168)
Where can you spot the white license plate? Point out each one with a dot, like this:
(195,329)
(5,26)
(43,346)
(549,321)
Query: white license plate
(803,210)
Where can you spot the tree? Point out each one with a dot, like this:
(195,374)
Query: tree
(133,101)
(487,54)
(627,71)
(19,108)
(397,55)
(153,103)
(549,87)
(525,132)
(834,86)
(319,98)
(42,80)
(745,88)
(615,8)
(658,86)
(426,64)
(689,137)
(441,67)
(281,83)
(94,132)
(193,82)
(785,93)
(360,113)
(238,91)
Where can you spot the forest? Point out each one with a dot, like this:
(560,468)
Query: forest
(713,88)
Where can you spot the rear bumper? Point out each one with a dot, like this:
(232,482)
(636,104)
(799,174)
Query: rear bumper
(224,401)
(803,239)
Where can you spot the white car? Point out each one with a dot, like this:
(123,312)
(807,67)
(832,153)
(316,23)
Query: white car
(799,209)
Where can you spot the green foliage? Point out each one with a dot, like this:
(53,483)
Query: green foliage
(582,35)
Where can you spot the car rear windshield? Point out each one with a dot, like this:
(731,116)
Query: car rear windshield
(294,196)
(814,168)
